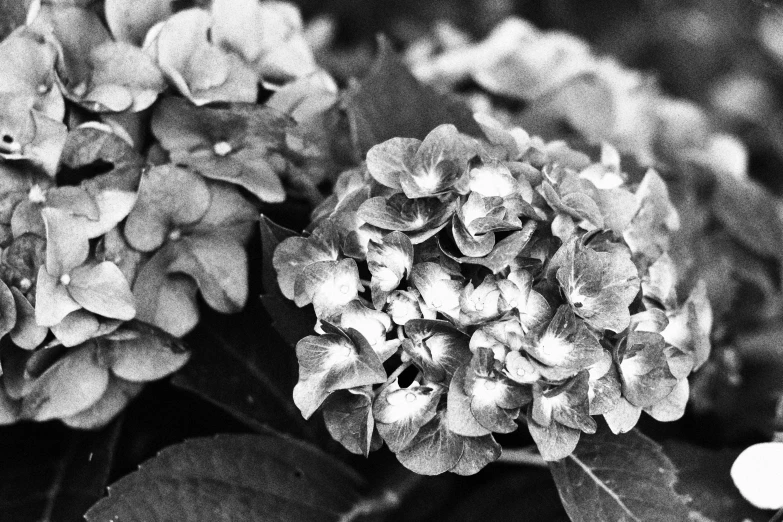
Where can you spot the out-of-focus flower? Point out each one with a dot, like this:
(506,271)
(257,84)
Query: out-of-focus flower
(240,143)
(197,232)
(200,69)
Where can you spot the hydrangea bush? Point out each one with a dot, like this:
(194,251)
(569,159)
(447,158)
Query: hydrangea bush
(490,244)
(463,286)
(133,160)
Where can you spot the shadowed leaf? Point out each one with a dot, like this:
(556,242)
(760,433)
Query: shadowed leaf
(233,477)
(619,477)
(389,102)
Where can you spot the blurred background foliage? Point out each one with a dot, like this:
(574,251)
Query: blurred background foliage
(725,55)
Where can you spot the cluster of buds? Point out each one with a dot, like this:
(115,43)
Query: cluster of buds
(462,286)
(120,202)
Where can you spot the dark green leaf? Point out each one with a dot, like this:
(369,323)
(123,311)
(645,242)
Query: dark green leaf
(389,103)
(290,321)
(237,364)
(620,478)
(233,477)
(750,214)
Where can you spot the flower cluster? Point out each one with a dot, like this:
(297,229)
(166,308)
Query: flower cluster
(560,78)
(462,285)
(133,160)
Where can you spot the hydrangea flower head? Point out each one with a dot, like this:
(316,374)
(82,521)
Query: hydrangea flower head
(502,282)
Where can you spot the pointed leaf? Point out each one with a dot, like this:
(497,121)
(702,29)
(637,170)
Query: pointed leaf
(619,477)
(389,102)
(290,321)
(258,377)
(247,477)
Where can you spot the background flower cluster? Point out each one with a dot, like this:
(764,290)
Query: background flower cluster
(133,160)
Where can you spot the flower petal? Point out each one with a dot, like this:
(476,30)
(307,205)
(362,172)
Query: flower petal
(103,289)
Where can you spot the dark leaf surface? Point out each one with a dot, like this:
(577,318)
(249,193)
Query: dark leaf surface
(389,103)
(51,473)
(703,475)
(748,212)
(291,322)
(621,478)
(239,366)
(233,477)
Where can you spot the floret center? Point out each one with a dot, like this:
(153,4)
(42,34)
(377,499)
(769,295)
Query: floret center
(222,148)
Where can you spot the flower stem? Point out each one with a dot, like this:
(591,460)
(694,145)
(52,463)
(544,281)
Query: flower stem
(385,499)
(522,456)
(396,373)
